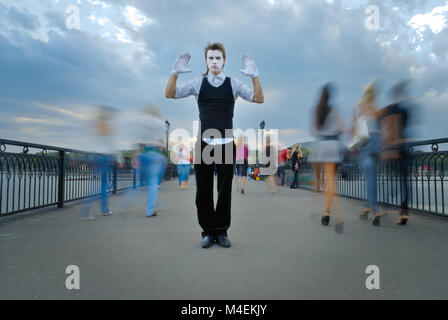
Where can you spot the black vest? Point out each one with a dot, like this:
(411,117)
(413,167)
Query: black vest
(216,107)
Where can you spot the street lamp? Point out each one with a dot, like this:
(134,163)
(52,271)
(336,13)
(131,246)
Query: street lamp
(262,125)
(167,127)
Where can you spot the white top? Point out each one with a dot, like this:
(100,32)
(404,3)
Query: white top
(193,87)
(372,122)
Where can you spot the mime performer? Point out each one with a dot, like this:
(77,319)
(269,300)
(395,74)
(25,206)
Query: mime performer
(216,95)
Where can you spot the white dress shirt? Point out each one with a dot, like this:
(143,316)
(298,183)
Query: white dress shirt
(193,87)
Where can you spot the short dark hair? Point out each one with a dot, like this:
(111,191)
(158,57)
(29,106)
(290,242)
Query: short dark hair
(214,46)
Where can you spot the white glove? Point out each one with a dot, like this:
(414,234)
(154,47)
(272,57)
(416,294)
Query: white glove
(250,69)
(180,66)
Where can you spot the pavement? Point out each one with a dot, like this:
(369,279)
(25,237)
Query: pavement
(279,251)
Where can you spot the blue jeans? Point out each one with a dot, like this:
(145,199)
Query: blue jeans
(155,167)
(103,167)
(368,157)
(142,169)
(183,172)
(295,180)
(281,173)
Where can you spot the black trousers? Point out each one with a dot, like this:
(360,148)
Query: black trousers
(213,221)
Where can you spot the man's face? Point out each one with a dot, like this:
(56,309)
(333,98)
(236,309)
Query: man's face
(215,61)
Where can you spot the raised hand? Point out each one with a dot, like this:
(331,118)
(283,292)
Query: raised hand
(180,66)
(250,68)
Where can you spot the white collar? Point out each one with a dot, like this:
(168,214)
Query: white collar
(220,76)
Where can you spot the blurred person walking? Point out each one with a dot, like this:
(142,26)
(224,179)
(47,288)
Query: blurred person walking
(103,163)
(152,141)
(395,120)
(327,126)
(183,166)
(369,144)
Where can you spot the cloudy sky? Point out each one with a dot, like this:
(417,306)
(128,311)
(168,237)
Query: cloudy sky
(53,72)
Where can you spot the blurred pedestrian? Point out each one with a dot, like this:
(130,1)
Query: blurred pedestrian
(152,140)
(327,126)
(103,163)
(366,115)
(183,166)
(395,119)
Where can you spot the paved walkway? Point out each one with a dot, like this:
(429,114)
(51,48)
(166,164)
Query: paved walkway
(279,251)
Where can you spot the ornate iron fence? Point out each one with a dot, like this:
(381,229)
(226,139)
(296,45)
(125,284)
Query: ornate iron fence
(427,182)
(53,176)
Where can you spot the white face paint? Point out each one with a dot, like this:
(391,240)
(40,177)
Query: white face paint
(215,61)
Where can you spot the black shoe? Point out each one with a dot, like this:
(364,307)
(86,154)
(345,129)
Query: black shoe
(402,221)
(242,191)
(207,242)
(325,220)
(376,221)
(223,241)
(364,214)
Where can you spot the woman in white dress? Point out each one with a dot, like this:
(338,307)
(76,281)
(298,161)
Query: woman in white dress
(327,150)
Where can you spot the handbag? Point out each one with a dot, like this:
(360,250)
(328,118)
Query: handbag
(361,133)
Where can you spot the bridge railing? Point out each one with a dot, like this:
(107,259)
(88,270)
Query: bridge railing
(427,178)
(54,176)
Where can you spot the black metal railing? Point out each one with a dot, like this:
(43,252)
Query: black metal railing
(53,176)
(31,181)
(427,182)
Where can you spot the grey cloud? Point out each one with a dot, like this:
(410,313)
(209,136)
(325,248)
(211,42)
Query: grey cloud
(77,66)
(296,52)
(22,18)
(56,20)
(440,46)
